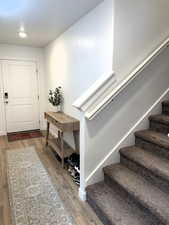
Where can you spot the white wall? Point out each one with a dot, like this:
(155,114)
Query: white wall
(140,27)
(23,53)
(80,55)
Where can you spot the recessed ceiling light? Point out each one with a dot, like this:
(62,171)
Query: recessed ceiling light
(22,34)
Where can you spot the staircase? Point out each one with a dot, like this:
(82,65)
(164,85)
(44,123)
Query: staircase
(136,191)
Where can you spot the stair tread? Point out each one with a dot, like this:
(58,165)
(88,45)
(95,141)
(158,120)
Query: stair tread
(154,137)
(161,118)
(118,210)
(150,161)
(142,190)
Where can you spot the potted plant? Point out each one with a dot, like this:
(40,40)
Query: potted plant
(55,98)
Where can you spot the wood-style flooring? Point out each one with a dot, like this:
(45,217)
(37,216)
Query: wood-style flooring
(81,211)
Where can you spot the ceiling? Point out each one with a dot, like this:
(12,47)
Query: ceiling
(43,20)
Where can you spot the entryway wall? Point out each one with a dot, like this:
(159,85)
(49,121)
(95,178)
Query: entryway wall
(14,52)
(83,53)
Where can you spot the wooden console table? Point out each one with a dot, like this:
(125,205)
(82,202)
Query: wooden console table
(63,123)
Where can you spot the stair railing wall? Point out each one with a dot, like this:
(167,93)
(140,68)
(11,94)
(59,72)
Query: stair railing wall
(102,136)
(106,89)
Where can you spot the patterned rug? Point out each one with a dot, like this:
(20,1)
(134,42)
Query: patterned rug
(33,198)
(24,135)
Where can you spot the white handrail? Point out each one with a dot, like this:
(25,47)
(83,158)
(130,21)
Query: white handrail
(80,102)
(91,112)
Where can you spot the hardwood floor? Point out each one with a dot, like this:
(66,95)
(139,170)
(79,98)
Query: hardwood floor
(81,211)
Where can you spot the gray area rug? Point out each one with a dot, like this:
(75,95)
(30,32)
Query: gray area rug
(33,198)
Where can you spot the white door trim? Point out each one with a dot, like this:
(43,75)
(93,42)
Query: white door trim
(4,131)
(2,114)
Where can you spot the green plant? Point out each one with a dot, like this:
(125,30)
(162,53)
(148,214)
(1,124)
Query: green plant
(55,97)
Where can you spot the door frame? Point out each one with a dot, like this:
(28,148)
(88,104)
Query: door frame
(2,110)
(4,125)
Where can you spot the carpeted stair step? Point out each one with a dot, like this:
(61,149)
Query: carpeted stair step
(142,191)
(147,164)
(159,123)
(153,141)
(165,107)
(113,209)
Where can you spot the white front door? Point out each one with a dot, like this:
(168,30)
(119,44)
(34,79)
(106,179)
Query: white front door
(20,96)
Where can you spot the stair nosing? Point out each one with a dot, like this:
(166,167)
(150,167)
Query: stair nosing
(137,134)
(153,208)
(155,118)
(154,170)
(114,219)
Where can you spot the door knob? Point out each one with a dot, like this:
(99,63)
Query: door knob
(6,102)
(6,95)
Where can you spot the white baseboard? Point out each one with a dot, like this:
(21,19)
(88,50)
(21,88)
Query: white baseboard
(2,133)
(82,194)
(43,124)
(96,175)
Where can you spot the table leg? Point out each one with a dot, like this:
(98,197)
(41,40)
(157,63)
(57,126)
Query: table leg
(47,133)
(62,148)
(76,140)
(59,137)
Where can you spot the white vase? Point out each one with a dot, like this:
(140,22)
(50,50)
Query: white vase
(58,108)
